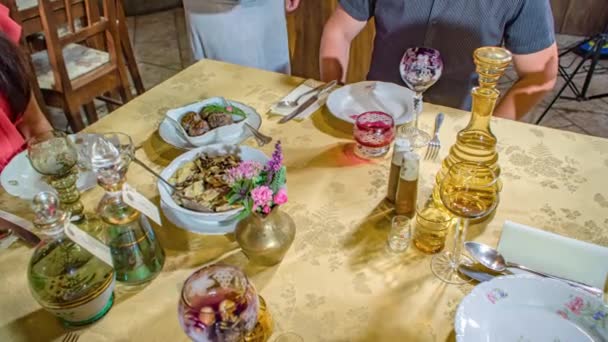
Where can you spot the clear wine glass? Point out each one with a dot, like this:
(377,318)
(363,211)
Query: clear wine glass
(468,191)
(420,68)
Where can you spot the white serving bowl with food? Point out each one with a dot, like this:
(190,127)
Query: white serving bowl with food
(212,120)
(199,176)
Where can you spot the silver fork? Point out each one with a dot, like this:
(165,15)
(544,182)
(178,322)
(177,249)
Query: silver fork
(71,337)
(435,145)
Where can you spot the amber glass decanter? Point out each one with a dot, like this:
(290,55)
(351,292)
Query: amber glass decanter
(476,142)
(64,278)
(136,253)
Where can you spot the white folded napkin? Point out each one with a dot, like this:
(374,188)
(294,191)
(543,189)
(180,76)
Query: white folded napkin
(554,254)
(301,89)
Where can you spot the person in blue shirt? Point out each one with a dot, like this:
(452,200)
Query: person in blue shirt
(455,28)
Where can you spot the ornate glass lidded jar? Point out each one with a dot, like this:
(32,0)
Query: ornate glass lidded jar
(136,252)
(64,278)
(476,142)
(220,304)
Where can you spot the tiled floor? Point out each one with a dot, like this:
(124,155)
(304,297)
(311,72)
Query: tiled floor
(161,46)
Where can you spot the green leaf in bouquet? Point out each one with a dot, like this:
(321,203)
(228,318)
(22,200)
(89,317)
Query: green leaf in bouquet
(279,179)
(234,197)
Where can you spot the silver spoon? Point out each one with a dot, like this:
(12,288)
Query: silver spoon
(188,202)
(260,138)
(492,259)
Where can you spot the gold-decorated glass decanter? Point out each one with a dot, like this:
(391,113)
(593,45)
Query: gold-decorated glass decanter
(136,253)
(64,278)
(476,142)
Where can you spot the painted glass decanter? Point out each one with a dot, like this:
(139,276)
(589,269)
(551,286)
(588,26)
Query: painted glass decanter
(476,142)
(64,278)
(136,252)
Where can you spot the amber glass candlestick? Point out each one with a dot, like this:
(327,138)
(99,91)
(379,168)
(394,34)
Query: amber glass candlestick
(476,142)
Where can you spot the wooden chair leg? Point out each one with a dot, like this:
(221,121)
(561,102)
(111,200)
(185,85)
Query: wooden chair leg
(74,118)
(111,106)
(127,49)
(91,112)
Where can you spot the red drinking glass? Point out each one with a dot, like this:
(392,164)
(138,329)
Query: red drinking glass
(374,133)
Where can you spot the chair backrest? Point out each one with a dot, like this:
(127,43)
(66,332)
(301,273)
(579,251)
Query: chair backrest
(92,29)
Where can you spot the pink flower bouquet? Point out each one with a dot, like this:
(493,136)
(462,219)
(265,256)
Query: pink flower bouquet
(259,188)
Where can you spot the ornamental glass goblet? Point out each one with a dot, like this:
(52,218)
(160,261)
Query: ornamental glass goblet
(218,303)
(420,68)
(468,191)
(374,132)
(53,155)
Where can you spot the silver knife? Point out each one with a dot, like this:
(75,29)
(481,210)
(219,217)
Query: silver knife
(308,102)
(24,234)
(475,274)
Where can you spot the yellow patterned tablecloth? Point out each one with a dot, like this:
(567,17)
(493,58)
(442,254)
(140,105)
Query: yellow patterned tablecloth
(337,283)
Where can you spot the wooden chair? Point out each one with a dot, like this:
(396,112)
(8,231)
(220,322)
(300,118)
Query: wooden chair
(72,75)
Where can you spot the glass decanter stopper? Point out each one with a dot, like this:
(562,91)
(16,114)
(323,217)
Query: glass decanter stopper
(136,252)
(64,278)
(476,142)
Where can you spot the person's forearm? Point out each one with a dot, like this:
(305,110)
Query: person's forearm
(334,55)
(33,121)
(522,97)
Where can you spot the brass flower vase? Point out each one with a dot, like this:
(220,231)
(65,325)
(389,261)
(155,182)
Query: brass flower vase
(266,238)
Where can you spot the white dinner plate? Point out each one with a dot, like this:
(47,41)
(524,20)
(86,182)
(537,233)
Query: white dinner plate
(529,308)
(20,179)
(353,99)
(170,134)
(196,225)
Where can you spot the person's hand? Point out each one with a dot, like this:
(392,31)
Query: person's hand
(291,5)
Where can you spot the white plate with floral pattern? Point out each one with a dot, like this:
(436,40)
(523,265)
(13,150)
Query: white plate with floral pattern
(351,100)
(529,308)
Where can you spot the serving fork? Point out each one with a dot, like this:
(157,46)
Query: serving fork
(71,337)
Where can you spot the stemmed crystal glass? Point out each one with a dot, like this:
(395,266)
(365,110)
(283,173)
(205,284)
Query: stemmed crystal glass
(420,68)
(468,191)
(55,156)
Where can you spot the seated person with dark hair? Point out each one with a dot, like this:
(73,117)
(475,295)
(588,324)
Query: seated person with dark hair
(20,115)
(456,28)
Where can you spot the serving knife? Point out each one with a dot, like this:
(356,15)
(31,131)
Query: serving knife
(308,102)
(23,233)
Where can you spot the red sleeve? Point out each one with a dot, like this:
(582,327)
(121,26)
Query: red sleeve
(8,26)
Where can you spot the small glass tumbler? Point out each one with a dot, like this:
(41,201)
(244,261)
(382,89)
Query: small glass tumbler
(431,230)
(374,132)
(400,235)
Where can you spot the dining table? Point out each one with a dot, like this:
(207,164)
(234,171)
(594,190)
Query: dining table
(337,282)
